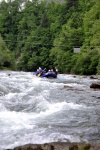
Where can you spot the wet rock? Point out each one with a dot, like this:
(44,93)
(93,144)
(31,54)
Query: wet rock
(95,85)
(95,77)
(74,76)
(92,77)
(59,146)
(73,147)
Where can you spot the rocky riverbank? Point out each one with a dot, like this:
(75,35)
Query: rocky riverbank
(59,146)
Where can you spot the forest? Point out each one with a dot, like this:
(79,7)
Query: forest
(45,33)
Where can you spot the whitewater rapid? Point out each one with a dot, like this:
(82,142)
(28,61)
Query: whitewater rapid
(40,110)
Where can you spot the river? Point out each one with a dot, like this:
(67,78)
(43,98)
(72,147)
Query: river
(41,110)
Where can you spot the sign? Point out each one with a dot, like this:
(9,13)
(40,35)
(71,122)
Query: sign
(76,49)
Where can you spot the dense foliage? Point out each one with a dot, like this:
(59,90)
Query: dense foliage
(41,33)
(7,60)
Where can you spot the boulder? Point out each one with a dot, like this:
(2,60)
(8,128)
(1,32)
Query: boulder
(95,85)
(95,77)
(59,146)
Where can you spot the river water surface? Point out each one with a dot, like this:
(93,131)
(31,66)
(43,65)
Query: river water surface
(40,110)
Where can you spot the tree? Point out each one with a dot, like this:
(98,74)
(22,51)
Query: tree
(6,57)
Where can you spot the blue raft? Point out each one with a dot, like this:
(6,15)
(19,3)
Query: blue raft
(49,75)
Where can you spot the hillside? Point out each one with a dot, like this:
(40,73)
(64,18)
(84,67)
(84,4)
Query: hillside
(45,34)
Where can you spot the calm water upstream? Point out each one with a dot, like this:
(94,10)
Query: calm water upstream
(41,110)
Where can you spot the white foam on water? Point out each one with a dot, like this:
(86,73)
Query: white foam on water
(44,83)
(4,89)
(2,107)
(66,76)
(74,85)
(51,108)
(62,138)
(10,95)
(25,114)
(75,106)
(15,120)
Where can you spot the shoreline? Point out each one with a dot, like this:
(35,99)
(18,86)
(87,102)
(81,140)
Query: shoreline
(59,146)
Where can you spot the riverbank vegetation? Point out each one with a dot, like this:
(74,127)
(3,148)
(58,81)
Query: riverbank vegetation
(40,33)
